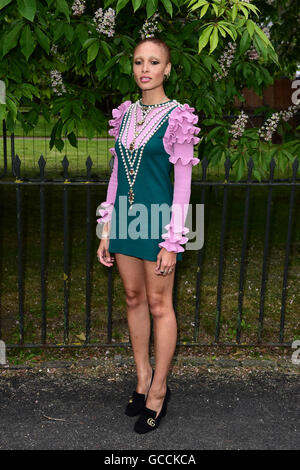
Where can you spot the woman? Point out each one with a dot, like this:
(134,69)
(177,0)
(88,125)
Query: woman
(152,135)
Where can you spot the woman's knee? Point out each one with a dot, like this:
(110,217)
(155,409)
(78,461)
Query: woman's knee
(159,305)
(135,297)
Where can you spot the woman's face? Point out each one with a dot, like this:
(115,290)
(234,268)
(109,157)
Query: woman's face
(150,61)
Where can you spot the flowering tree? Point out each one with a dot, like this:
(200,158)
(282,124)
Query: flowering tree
(282,17)
(65,58)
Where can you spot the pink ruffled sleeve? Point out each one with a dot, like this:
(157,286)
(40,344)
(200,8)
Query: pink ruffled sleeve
(108,204)
(179,141)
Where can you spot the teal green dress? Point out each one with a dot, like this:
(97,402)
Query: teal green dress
(152,186)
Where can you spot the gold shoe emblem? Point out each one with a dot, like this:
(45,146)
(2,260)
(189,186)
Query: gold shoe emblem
(130,401)
(151,422)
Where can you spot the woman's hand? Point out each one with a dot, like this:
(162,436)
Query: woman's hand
(166,261)
(103,254)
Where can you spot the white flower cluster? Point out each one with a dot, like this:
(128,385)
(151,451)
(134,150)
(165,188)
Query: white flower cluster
(57,82)
(289,113)
(149,27)
(53,49)
(253,54)
(270,126)
(226,60)
(78,7)
(266,30)
(105,22)
(238,127)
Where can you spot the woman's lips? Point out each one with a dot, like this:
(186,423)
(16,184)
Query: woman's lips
(145,80)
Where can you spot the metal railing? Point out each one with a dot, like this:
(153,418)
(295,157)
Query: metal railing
(86,184)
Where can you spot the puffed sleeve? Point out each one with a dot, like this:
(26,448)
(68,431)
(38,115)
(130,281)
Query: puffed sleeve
(179,141)
(115,124)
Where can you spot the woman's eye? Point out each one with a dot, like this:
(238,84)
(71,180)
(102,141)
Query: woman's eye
(153,61)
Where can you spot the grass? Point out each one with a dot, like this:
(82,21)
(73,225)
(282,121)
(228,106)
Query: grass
(187,269)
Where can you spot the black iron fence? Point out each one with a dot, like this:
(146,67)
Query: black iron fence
(249,186)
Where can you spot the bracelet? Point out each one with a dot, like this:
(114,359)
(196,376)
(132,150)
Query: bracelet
(105,235)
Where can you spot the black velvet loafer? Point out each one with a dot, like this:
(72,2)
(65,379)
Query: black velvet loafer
(147,421)
(136,402)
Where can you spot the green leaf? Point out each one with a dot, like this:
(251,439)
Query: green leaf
(42,39)
(231,33)
(72,139)
(245,42)
(89,128)
(204,10)
(11,38)
(121,4)
(214,132)
(66,112)
(204,38)
(12,107)
(93,51)
(215,9)
(198,5)
(27,8)
(234,12)
(59,30)
(244,10)
(186,65)
(106,49)
(125,65)
(2,111)
(250,27)
(240,168)
(88,42)
(69,32)
(260,46)
(262,35)
(81,33)
(151,7)
(68,126)
(214,39)
(3,3)
(136,4)
(100,74)
(168,6)
(251,7)
(26,41)
(62,7)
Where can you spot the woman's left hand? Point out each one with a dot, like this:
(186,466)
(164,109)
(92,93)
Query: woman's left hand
(166,262)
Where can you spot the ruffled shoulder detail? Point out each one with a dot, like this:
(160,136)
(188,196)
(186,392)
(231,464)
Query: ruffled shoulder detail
(181,129)
(118,114)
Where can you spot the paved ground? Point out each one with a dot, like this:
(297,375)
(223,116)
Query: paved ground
(211,408)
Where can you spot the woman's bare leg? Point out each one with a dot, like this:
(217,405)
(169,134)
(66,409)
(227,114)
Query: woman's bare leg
(159,293)
(131,270)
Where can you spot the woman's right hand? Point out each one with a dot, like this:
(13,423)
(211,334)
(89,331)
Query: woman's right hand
(103,254)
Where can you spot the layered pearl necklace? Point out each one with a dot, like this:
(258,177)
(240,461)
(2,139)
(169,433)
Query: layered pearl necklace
(132,153)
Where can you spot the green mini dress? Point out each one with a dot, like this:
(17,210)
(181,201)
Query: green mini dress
(134,233)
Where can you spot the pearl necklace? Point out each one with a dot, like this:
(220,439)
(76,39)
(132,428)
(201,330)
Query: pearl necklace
(146,108)
(134,109)
(125,129)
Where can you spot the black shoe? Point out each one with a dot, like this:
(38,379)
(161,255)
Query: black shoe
(136,402)
(147,421)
